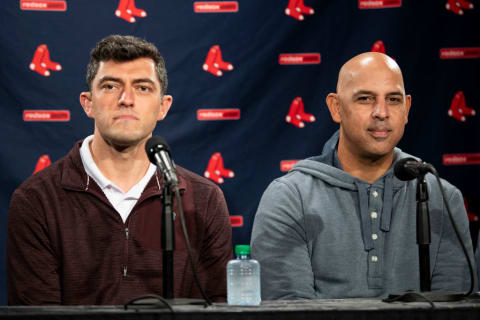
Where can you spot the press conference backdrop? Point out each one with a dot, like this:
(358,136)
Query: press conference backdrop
(248,79)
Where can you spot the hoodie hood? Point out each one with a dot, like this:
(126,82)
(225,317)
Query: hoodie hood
(327,168)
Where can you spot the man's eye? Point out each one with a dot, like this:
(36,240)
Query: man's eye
(394,100)
(108,86)
(365,99)
(144,88)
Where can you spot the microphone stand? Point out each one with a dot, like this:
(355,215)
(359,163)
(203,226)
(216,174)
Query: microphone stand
(150,301)
(158,153)
(423,234)
(168,241)
(168,246)
(423,241)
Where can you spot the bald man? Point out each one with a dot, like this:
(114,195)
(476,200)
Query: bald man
(340,225)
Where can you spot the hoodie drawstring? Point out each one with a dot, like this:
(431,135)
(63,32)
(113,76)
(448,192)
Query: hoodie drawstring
(387,204)
(386,210)
(364,216)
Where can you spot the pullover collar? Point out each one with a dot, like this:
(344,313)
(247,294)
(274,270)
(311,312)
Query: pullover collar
(327,168)
(74,177)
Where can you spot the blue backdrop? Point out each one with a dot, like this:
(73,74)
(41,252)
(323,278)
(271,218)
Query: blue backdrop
(237,120)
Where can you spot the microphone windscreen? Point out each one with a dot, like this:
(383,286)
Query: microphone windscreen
(154,145)
(406,169)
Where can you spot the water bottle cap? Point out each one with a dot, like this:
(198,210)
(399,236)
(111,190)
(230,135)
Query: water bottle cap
(242,249)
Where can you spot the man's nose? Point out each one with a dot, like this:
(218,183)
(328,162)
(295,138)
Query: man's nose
(127,97)
(380,110)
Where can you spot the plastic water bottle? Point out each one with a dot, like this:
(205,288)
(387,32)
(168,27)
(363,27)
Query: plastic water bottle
(243,279)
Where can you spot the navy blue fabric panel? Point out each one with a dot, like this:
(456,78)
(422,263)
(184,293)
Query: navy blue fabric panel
(278,61)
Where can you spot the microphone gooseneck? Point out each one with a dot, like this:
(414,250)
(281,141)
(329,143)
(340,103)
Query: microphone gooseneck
(409,168)
(158,153)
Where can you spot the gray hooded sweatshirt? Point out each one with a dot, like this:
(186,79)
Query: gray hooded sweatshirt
(321,233)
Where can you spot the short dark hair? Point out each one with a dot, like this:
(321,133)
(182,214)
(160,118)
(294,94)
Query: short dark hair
(125,48)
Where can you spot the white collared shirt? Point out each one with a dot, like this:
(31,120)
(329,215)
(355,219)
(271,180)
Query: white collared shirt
(123,202)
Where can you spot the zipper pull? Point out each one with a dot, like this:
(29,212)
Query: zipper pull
(126,232)
(125,271)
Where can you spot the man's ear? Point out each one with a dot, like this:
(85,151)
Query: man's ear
(408,103)
(86,102)
(333,104)
(165,106)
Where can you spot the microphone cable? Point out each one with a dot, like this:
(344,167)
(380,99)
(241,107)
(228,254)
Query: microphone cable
(457,233)
(433,296)
(208,302)
(156,301)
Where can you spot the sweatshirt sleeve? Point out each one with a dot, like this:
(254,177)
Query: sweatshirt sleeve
(451,271)
(279,244)
(32,267)
(217,248)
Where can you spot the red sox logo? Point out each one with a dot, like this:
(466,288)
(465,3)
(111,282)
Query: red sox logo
(43,162)
(296,9)
(214,62)
(471,216)
(456,6)
(296,115)
(379,46)
(41,62)
(126,10)
(458,108)
(215,169)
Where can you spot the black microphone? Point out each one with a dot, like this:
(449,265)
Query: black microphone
(409,168)
(158,153)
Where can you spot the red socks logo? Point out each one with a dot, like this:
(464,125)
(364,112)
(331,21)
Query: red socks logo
(42,163)
(126,10)
(41,62)
(295,8)
(214,62)
(215,169)
(379,46)
(296,115)
(471,216)
(456,6)
(458,108)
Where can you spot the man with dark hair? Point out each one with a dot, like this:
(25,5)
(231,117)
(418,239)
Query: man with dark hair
(341,225)
(86,230)
(132,48)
